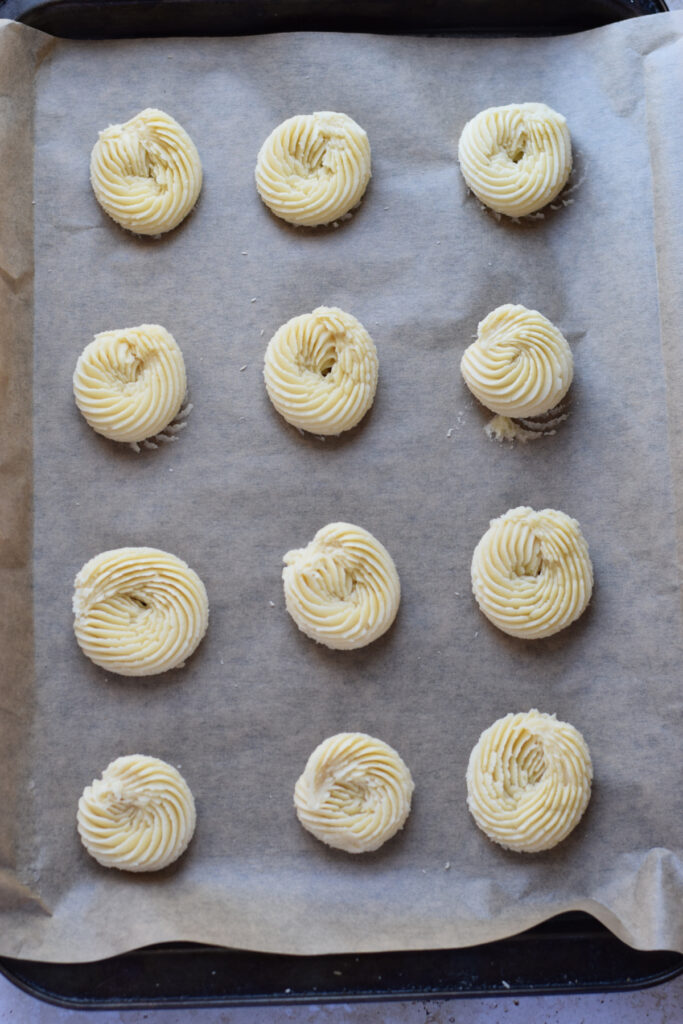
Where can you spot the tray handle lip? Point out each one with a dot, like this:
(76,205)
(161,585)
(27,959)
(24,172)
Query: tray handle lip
(658,967)
(53,998)
(42,14)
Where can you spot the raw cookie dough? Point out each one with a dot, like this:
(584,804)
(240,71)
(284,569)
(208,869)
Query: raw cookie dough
(354,793)
(139,816)
(342,590)
(520,364)
(313,168)
(531,572)
(146,173)
(139,611)
(516,159)
(130,384)
(529,781)
(321,371)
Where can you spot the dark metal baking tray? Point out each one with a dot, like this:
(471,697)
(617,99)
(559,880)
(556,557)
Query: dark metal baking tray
(101,19)
(569,953)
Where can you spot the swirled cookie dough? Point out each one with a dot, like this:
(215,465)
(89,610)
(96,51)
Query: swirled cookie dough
(139,816)
(520,364)
(531,572)
(139,611)
(354,793)
(516,159)
(342,590)
(146,174)
(321,371)
(313,168)
(529,781)
(130,383)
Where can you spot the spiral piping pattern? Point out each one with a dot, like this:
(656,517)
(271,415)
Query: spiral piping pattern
(146,174)
(516,159)
(321,371)
(139,816)
(529,781)
(139,611)
(342,590)
(130,384)
(313,168)
(520,364)
(354,793)
(531,572)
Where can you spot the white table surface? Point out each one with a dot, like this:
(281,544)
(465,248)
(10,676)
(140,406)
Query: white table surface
(662,1004)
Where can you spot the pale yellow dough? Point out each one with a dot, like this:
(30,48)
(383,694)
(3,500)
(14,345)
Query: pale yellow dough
(516,159)
(531,572)
(520,364)
(354,793)
(342,590)
(139,816)
(313,168)
(139,611)
(529,781)
(130,383)
(146,173)
(321,371)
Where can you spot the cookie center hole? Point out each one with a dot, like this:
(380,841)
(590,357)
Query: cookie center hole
(517,149)
(533,568)
(532,763)
(327,362)
(130,366)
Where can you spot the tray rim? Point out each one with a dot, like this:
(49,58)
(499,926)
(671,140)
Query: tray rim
(21,10)
(667,966)
(37,12)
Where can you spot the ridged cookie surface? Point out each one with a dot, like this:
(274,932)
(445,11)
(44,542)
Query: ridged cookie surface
(531,572)
(342,589)
(139,816)
(146,174)
(529,781)
(139,611)
(130,383)
(517,158)
(520,364)
(321,371)
(313,168)
(355,792)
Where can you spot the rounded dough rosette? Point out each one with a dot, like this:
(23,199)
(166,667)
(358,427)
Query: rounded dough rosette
(146,174)
(342,590)
(517,158)
(130,384)
(531,572)
(139,816)
(520,364)
(313,168)
(321,371)
(529,781)
(139,611)
(354,793)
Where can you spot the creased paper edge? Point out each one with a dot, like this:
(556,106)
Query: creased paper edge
(663,67)
(21,51)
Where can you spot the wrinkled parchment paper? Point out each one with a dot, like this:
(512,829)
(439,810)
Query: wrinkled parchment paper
(420,263)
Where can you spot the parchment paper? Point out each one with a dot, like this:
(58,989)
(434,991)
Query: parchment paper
(420,263)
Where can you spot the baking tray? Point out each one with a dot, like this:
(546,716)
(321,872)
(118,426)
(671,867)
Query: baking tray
(103,19)
(569,953)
